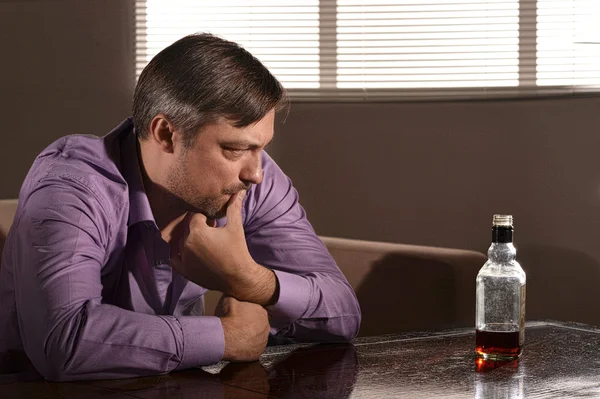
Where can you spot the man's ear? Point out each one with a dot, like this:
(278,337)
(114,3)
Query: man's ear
(162,132)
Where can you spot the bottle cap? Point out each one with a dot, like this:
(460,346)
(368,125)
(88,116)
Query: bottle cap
(503,220)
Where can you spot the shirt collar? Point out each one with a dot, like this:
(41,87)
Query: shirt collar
(139,206)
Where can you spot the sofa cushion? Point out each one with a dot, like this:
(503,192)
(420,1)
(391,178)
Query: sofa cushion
(8,208)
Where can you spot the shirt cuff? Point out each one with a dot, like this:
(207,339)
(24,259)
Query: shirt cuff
(203,341)
(294,297)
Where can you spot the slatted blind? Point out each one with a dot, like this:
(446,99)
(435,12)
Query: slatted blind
(432,44)
(568,43)
(396,49)
(284,35)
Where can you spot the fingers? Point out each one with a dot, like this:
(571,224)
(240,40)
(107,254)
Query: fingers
(227,304)
(220,310)
(234,209)
(186,232)
(186,223)
(197,221)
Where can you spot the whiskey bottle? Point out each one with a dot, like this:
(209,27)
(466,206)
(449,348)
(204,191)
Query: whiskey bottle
(500,297)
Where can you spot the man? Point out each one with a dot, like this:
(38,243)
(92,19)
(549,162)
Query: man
(116,239)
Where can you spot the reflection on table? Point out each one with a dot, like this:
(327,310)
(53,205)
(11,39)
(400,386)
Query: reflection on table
(560,360)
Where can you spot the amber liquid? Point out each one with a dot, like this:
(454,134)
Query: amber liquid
(497,345)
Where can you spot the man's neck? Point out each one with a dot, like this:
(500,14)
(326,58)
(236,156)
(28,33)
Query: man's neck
(164,207)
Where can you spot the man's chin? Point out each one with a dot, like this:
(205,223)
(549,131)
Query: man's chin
(221,213)
(209,213)
(216,215)
(212,209)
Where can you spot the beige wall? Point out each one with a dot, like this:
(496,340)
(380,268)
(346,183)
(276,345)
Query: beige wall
(435,173)
(65,67)
(427,173)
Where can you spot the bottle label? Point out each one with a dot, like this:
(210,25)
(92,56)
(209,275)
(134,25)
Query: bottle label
(522,317)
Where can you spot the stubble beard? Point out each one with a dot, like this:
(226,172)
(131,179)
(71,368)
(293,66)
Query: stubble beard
(189,200)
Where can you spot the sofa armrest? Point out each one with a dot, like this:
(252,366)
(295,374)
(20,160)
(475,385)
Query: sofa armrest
(8,208)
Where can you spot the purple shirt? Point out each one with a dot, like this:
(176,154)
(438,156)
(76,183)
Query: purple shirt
(86,288)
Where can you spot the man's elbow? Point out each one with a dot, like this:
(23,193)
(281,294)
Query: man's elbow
(345,330)
(56,367)
(347,327)
(352,329)
(56,374)
(352,322)
(56,359)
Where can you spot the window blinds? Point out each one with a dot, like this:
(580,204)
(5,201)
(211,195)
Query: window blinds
(568,43)
(396,49)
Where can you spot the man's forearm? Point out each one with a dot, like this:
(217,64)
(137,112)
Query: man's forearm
(256,284)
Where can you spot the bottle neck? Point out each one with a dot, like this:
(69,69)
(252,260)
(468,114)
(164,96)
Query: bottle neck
(502,235)
(502,249)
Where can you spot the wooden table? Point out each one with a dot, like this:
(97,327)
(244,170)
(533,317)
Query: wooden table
(560,360)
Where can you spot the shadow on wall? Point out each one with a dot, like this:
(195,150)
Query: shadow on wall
(562,284)
(407,293)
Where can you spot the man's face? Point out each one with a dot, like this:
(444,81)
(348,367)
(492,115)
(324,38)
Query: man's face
(222,161)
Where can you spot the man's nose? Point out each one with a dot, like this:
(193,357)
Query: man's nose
(252,171)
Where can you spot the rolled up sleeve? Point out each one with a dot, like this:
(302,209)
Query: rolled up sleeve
(316,302)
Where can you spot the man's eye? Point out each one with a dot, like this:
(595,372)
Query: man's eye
(234,151)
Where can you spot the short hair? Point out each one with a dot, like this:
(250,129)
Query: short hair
(201,78)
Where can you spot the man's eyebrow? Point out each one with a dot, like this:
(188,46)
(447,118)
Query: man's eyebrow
(243,144)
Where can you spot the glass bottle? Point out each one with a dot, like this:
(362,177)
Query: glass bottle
(500,297)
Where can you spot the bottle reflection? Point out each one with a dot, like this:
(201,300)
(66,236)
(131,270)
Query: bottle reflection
(482,366)
(498,379)
(325,371)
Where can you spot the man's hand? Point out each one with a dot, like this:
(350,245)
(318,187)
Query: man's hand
(246,329)
(218,258)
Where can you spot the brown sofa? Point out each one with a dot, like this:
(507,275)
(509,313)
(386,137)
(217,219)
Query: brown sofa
(7,212)
(399,287)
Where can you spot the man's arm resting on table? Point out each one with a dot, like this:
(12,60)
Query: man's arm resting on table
(67,331)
